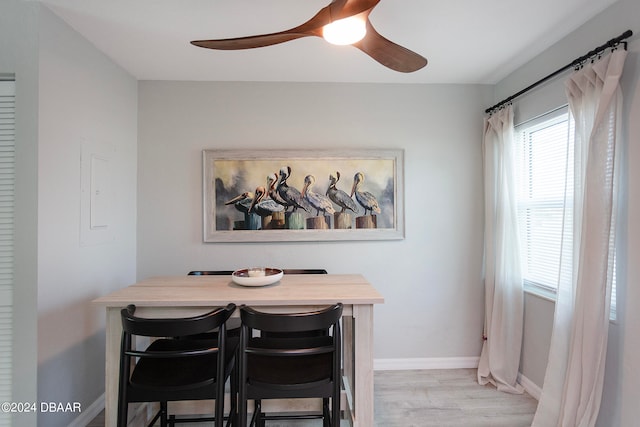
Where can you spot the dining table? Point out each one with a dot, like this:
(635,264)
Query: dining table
(183,296)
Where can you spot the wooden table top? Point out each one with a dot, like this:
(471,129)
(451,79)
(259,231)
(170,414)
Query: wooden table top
(292,289)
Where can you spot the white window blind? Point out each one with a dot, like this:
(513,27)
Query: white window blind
(542,149)
(544,161)
(7,173)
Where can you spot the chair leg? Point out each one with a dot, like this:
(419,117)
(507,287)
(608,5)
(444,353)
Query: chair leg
(233,407)
(163,414)
(257,418)
(326,421)
(254,417)
(335,410)
(219,405)
(261,421)
(261,415)
(242,409)
(122,413)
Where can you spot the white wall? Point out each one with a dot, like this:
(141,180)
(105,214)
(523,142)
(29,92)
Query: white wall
(85,100)
(431,280)
(622,379)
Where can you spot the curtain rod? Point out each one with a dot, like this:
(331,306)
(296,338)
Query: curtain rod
(576,62)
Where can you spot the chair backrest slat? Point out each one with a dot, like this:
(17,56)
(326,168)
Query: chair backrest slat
(297,322)
(172,327)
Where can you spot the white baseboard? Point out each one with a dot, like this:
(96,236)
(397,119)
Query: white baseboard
(529,386)
(88,414)
(425,363)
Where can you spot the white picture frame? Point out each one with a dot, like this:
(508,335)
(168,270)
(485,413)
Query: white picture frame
(228,174)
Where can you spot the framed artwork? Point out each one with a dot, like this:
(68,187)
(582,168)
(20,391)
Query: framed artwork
(298,195)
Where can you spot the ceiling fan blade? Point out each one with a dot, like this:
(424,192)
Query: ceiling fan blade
(341,9)
(388,53)
(249,42)
(337,9)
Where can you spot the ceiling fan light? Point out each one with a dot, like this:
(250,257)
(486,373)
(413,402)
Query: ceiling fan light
(345,31)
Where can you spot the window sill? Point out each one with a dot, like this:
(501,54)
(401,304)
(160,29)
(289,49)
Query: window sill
(539,292)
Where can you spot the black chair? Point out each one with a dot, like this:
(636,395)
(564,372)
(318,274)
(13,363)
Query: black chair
(176,369)
(289,365)
(210,273)
(230,272)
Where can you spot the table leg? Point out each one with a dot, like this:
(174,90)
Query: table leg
(347,365)
(363,354)
(112,366)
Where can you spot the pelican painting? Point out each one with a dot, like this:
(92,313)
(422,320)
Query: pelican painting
(268,195)
(242,202)
(318,201)
(262,205)
(291,196)
(272,182)
(366,199)
(339,197)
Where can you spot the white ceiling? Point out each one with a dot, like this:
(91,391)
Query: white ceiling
(465,41)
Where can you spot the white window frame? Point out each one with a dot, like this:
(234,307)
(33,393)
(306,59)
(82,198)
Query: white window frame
(522,130)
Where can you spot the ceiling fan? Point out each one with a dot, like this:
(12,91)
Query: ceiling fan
(337,12)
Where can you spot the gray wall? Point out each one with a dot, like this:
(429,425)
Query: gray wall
(68,96)
(431,280)
(19,57)
(622,378)
(624,383)
(87,106)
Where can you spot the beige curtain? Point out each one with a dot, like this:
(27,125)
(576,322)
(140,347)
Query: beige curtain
(500,357)
(574,378)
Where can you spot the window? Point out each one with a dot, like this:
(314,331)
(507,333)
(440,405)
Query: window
(542,147)
(544,161)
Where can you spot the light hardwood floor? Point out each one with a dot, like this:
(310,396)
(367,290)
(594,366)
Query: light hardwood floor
(433,398)
(446,398)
